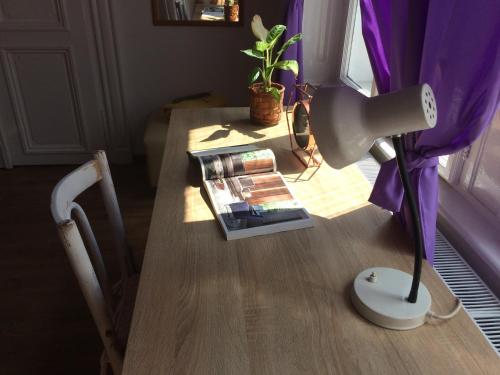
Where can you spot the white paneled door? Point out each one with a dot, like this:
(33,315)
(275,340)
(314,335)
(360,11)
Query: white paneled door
(56,105)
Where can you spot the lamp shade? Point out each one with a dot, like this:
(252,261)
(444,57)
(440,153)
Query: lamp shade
(346,123)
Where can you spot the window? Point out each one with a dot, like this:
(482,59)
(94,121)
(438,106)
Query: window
(469,209)
(475,172)
(356,69)
(332,51)
(322,26)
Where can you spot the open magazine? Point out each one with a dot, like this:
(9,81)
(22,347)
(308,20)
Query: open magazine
(249,196)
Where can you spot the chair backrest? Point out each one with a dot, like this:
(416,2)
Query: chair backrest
(87,263)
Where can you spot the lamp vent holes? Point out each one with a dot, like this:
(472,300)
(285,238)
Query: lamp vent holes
(429,105)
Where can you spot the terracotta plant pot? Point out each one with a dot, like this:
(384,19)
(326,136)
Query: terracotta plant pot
(232,13)
(264,108)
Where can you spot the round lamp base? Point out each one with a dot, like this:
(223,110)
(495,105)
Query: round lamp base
(379,295)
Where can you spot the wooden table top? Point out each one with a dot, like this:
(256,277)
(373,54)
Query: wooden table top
(278,304)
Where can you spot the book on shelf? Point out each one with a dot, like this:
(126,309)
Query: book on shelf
(249,196)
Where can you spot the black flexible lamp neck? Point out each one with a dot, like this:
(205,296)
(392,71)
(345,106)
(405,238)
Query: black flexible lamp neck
(415,215)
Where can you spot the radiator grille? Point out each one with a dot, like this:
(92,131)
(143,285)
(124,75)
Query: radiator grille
(479,302)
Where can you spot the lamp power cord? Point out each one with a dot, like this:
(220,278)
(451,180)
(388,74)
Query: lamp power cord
(432,315)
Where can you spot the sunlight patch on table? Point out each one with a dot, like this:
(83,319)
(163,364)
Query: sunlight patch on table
(195,207)
(350,193)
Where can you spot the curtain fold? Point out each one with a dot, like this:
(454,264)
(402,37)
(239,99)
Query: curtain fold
(454,46)
(293,24)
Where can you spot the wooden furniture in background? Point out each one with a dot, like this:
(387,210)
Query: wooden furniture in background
(278,304)
(111,317)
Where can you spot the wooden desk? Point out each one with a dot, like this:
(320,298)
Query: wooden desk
(278,304)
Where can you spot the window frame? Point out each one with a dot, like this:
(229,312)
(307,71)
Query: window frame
(347,49)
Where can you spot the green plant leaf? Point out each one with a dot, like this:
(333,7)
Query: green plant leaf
(275,33)
(275,93)
(288,65)
(261,46)
(253,53)
(253,76)
(294,39)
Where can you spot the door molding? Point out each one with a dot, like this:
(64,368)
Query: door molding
(20,24)
(29,145)
(116,130)
(5,160)
(98,30)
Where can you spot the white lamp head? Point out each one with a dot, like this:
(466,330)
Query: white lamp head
(347,123)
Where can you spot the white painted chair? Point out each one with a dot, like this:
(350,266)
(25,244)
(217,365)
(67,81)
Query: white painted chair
(112,314)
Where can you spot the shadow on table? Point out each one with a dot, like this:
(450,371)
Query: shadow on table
(249,129)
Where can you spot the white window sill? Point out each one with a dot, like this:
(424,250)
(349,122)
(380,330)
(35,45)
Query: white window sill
(470,231)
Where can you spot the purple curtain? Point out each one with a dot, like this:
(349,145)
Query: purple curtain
(294,52)
(453,46)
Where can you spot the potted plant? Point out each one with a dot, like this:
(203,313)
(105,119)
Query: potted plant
(231,10)
(266,97)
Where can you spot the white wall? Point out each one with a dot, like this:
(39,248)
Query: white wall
(159,63)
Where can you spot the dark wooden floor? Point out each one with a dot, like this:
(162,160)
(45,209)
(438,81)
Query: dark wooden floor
(45,325)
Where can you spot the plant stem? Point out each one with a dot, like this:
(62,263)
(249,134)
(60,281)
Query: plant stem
(268,76)
(264,71)
(270,64)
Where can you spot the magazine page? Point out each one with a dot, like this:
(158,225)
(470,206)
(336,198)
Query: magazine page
(220,166)
(255,204)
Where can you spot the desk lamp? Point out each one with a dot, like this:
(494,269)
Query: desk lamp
(346,124)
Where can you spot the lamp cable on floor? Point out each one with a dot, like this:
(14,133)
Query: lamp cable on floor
(432,315)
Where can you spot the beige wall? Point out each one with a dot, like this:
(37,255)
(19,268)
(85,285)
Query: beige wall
(158,63)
